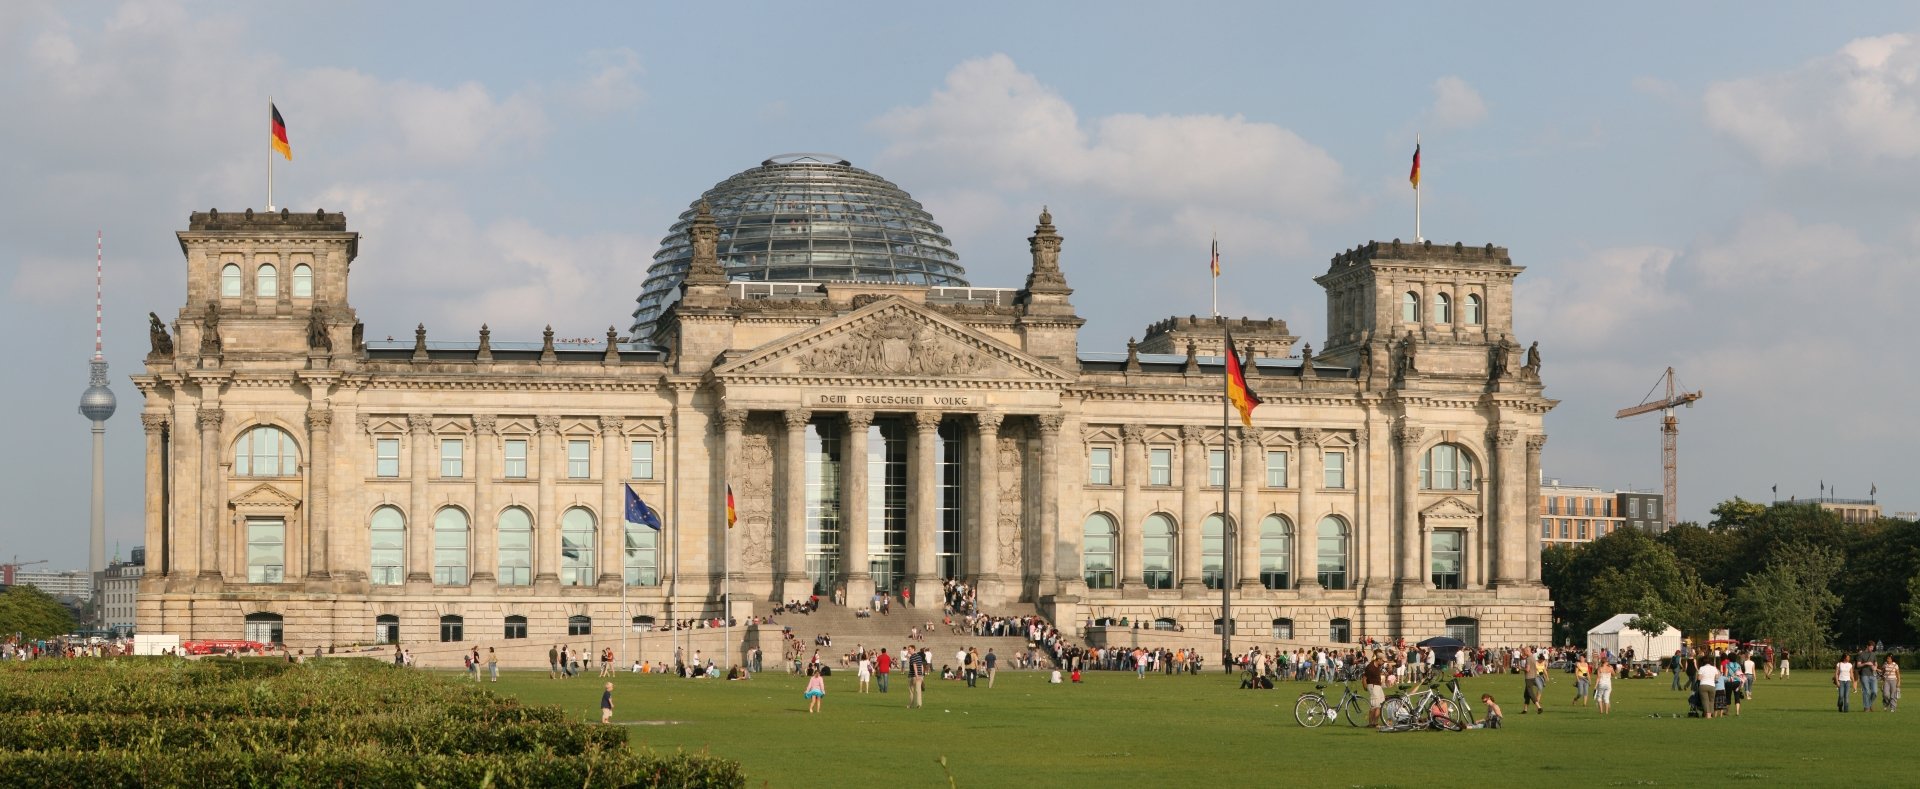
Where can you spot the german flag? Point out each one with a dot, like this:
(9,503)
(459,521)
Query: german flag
(733,515)
(1238,393)
(1413,176)
(1216,258)
(280,133)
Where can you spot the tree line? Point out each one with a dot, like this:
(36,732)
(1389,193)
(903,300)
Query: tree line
(1793,574)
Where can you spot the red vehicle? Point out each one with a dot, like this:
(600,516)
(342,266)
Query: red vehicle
(223,646)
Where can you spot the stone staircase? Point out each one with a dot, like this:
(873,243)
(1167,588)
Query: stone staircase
(892,632)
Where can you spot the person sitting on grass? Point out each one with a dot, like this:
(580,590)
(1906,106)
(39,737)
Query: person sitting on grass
(1494,716)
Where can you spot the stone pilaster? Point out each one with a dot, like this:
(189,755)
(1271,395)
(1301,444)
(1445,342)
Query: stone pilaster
(1051,535)
(319,499)
(1193,477)
(613,505)
(155,525)
(733,426)
(1531,542)
(853,507)
(1306,543)
(212,509)
(1508,524)
(486,518)
(1133,511)
(924,542)
(1245,567)
(1410,578)
(984,560)
(546,522)
(794,584)
(419,519)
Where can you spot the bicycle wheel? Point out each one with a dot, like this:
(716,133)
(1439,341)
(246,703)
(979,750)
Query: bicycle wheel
(1446,721)
(1354,711)
(1463,712)
(1310,711)
(1396,714)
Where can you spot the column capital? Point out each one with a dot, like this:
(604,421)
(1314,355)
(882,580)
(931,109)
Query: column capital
(733,419)
(419,423)
(486,424)
(612,424)
(549,425)
(210,418)
(1050,424)
(319,419)
(796,419)
(1408,433)
(1503,438)
(1252,436)
(154,423)
(927,421)
(1310,436)
(1133,434)
(1535,444)
(1362,435)
(1190,434)
(859,420)
(989,421)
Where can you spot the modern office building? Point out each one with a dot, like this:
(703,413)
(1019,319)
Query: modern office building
(1572,514)
(76,584)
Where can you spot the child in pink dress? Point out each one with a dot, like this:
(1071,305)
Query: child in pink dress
(816,690)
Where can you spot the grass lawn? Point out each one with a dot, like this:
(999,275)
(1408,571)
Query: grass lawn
(1116,730)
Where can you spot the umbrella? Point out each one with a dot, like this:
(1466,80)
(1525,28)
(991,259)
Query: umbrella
(1444,648)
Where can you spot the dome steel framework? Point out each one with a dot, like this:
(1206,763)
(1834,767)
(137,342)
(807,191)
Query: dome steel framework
(806,217)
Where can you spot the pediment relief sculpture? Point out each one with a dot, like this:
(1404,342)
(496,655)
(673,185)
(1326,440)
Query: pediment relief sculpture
(1450,508)
(895,345)
(264,496)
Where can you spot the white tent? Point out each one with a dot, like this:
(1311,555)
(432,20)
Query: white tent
(1614,634)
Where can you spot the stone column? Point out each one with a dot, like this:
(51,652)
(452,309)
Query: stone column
(1193,510)
(486,520)
(985,559)
(1051,535)
(213,512)
(1133,511)
(546,522)
(733,426)
(156,524)
(613,505)
(924,543)
(853,508)
(183,494)
(1531,541)
(793,532)
(319,502)
(1411,577)
(1306,541)
(419,519)
(1247,548)
(1508,527)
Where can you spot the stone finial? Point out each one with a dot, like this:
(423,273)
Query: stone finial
(1193,357)
(613,346)
(546,344)
(1133,355)
(486,344)
(420,343)
(1306,361)
(703,235)
(1045,246)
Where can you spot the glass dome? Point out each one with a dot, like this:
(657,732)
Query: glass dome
(806,217)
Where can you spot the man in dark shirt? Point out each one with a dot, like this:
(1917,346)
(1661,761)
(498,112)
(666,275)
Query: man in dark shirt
(993,662)
(606,705)
(1376,681)
(916,677)
(553,662)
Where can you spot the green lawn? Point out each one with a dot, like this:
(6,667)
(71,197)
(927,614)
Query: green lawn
(1115,730)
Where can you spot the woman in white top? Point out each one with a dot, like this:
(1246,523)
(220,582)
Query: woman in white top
(1603,687)
(866,672)
(1843,679)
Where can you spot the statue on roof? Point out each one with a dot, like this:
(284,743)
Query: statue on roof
(1533,361)
(317,336)
(157,335)
(210,330)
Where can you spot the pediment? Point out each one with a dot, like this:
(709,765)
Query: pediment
(1448,508)
(891,339)
(265,496)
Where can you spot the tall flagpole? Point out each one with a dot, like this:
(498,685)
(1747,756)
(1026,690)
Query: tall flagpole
(1417,238)
(726,579)
(1227,530)
(270,158)
(1214,266)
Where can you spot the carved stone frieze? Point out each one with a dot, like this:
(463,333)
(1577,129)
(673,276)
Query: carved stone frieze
(895,345)
(1012,481)
(612,424)
(319,420)
(756,501)
(1310,436)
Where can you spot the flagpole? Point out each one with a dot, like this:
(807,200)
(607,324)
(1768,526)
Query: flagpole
(1227,537)
(1215,267)
(1417,238)
(726,584)
(270,159)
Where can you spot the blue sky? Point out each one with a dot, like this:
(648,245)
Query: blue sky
(1726,188)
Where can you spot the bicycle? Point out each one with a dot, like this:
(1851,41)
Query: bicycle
(1409,711)
(1312,709)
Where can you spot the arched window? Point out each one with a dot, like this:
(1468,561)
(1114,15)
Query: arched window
(452,628)
(1165,623)
(1096,557)
(386,629)
(1470,310)
(266,451)
(1283,629)
(1333,553)
(1340,631)
(266,281)
(1442,308)
(387,565)
(1213,551)
(1156,552)
(576,548)
(450,547)
(1465,628)
(303,281)
(642,557)
(264,628)
(1410,307)
(1446,467)
(516,627)
(516,547)
(579,626)
(230,283)
(1276,552)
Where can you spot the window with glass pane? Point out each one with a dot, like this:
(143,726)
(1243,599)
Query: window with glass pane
(1553,505)
(1100,466)
(1465,628)
(1442,308)
(1546,529)
(450,547)
(1213,552)
(950,466)
(579,459)
(887,503)
(1633,508)
(1276,469)
(386,629)
(303,281)
(452,451)
(452,628)
(1332,558)
(1449,558)
(516,547)
(1582,529)
(266,550)
(1276,553)
(516,627)
(1589,506)
(266,452)
(230,282)
(388,539)
(579,626)
(1159,466)
(1156,552)
(516,455)
(1410,307)
(1446,467)
(1336,470)
(576,548)
(823,506)
(1216,467)
(1283,629)
(1653,508)
(264,628)
(641,456)
(1097,550)
(266,282)
(642,567)
(386,457)
(1340,631)
(1470,310)
(1566,529)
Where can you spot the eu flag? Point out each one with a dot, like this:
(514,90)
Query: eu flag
(638,511)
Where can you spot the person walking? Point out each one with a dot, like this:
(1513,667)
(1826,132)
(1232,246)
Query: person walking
(1581,671)
(916,677)
(606,704)
(992,665)
(816,690)
(1530,691)
(1869,684)
(493,664)
(882,666)
(1843,680)
(1603,688)
(1890,684)
(1707,678)
(968,663)
(1679,669)
(865,673)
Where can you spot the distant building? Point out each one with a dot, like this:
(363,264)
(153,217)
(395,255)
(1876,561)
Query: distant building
(121,587)
(1571,514)
(1849,510)
(77,584)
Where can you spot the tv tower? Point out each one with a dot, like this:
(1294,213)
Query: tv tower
(97,404)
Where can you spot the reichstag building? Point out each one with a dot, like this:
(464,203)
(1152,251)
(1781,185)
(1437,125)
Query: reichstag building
(806,336)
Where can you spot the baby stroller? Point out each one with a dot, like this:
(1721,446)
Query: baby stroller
(1719,703)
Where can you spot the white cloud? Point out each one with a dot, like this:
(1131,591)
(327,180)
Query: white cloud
(1456,105)
(1859,105)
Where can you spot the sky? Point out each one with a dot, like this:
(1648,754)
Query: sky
(1724,188)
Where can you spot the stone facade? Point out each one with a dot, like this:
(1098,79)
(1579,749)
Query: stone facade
(346,492)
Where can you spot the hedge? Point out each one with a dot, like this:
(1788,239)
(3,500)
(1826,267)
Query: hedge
(364,767)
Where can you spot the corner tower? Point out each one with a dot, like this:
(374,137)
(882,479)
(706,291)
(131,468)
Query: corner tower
(1447,308)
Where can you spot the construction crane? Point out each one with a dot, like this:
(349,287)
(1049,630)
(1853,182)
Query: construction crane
(1669,433)
(6,570)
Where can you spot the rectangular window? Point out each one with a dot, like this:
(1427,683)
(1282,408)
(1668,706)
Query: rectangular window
(1216,467)
(266,551)
(386,457)
(1566,530)
(1633,508)
(516,458)
(1100,466)
(1653,508)
(1546,530)
(1160,466)
(1276,469)
(1553,505)
(1449,558)
(641,457)
(579,459)
(1606,508)
(1589,507)
(1336,470)
(451,450)
(1583,529)
(516,627)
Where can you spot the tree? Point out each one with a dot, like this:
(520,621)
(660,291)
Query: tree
(33,613)
(1791,601)
(1913,602)
(1736,514)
